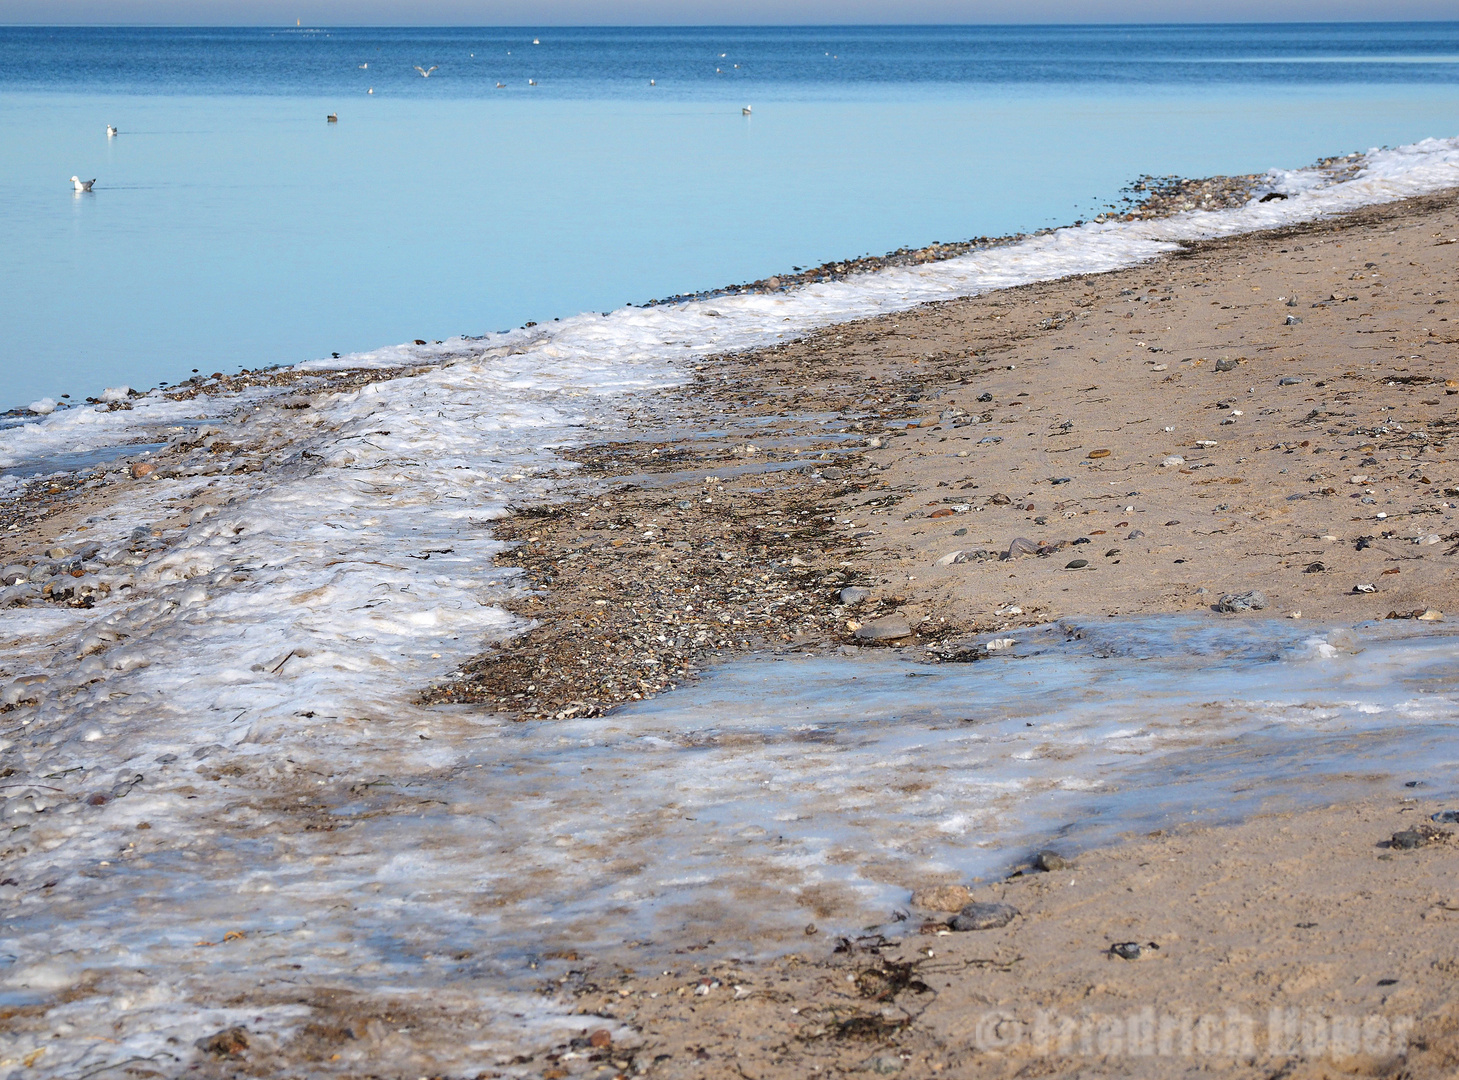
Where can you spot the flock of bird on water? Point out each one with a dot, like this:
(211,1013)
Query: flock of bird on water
(333,118)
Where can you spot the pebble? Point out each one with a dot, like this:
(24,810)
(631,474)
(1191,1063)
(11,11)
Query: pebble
(1293,320)
(1431,616)
(14,574)
(943,898)
(140,469)
(1172,461)
(1254,600)
(1225,365)
(1417,837)
(885,629)
(1134,534)
(1446,817)
(1020,545)
(983,916)
(883,1064)
(1289,381)
(1076,564)
(1049,861)
(853,594)
(1098,453)
(1365,588)
(1127,950)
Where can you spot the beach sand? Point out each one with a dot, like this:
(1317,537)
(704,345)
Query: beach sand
(1304,378)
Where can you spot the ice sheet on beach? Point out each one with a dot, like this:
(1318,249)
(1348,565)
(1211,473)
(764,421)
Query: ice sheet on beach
(409,851)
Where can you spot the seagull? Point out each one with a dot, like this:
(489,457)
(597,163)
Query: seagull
(364,66)
(370,91)
(745,111)
(531,82)
(501,86)
(110,131)
(652,83)
(536,42)
(424,72)
(82,185)
(333,118)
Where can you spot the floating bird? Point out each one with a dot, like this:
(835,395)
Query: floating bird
(531,82)
(110,131)
(652,83)
(745,111)
(536,42)
(370,91)
(82,185)
(364,66)
(333,118)
(424,72)
(501,86)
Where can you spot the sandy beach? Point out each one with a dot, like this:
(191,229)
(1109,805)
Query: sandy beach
(1245,429)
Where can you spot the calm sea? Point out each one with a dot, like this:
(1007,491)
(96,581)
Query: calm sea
(231,225)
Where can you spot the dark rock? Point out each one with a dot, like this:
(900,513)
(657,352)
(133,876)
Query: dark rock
(1076,564)
(1421,835)
(230,1042)
(983,916)
(1127,950)
(1225,365)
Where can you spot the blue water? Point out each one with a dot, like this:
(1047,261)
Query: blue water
(231,226)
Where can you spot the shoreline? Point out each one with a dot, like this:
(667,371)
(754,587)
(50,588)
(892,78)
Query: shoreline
(847,424)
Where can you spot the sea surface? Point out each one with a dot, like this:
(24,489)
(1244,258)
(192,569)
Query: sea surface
(232,226)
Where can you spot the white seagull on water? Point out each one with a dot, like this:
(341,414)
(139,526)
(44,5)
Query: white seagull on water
(82,185)
(425,73)
(110,131)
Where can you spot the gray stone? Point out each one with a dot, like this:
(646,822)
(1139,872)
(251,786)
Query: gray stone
(886,629)
(1225,365)
(983,916)
(882,1064)
(1127,950)
(41,571)
(1049,861)
(1254,600)
(1134,534)
(1076,564)
(1289,381)
(854,594)
(58,552)
(14,574)
(1294,320)
(1021,546)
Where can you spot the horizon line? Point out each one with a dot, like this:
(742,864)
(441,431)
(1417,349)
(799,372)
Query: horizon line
(715,25)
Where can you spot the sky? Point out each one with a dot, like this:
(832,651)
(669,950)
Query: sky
(702,12)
